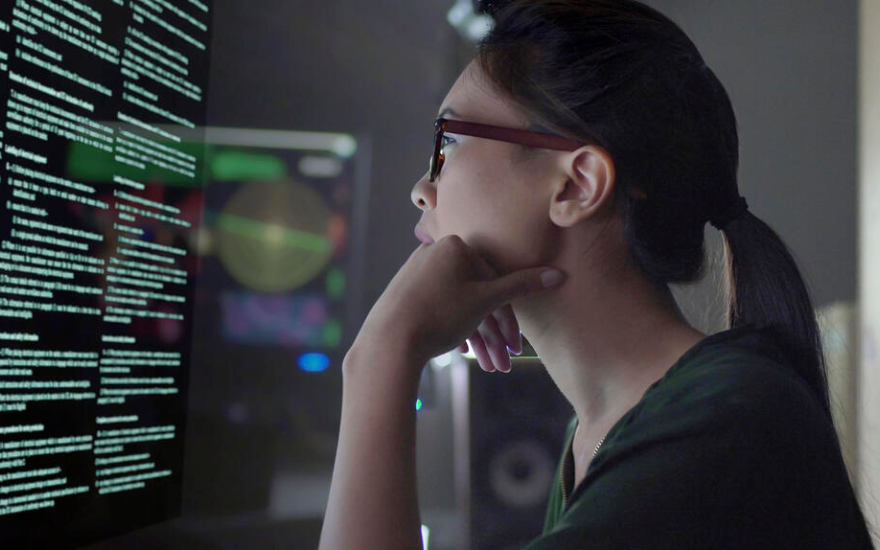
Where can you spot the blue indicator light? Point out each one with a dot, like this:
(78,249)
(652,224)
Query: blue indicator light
(314,362)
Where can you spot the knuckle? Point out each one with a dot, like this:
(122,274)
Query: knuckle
(489,339)
(452,240)
(504,321)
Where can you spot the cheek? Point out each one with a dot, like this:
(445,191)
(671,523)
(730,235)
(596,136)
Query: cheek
(520,237)
(472,192)
(503,219)
(476,198)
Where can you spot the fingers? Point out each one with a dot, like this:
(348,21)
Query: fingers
(494,338)
(507,325)
(495,343)
(478,346)
(509,328)
(486,271)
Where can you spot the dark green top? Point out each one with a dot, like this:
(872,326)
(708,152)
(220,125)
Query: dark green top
(730,449)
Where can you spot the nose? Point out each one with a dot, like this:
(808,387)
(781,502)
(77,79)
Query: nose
(424,194)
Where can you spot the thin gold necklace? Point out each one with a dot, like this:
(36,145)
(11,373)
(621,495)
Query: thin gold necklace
(596,450)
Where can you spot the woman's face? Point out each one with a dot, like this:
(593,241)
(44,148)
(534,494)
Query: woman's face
(496,203)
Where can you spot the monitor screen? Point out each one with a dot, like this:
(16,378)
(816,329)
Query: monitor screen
(97,273)
(278,300)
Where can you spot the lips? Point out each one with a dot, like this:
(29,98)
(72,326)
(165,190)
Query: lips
(423,236)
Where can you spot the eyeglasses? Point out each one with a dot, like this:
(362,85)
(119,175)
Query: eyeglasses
(511,135)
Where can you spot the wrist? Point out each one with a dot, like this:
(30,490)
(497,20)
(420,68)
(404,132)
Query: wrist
(372,365)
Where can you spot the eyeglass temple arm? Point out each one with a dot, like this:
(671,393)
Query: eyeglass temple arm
(512,135)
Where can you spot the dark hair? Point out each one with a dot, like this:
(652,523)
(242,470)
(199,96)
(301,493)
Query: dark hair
(621,75)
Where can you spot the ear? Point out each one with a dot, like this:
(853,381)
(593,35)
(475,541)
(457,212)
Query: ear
(587,183)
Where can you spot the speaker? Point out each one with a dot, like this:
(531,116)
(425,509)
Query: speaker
(509,430)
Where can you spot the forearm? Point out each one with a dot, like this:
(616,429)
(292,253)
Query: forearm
(373,500)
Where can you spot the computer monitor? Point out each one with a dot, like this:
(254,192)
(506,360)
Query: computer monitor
(97,277)
(279,300)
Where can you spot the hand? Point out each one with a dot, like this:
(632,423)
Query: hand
(496,334)
(440,297)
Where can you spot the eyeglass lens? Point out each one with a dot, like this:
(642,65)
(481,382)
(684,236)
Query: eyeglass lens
(437,157)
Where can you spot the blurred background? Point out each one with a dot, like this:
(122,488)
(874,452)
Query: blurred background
(319,121)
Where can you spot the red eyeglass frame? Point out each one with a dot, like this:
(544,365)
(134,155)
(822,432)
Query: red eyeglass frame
(488,131)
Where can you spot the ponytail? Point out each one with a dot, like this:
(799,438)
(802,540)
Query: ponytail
(765,287)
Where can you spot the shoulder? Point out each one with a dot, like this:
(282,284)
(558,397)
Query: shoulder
(722,437)
(729,406)
(736,428)
(736,388)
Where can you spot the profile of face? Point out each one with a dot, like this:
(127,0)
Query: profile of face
(510,207)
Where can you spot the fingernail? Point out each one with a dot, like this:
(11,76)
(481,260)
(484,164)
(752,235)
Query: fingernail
(514,351)
(551,277)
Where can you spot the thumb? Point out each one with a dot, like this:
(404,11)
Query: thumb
(522,283)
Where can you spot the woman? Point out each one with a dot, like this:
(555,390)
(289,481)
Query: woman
(679,439)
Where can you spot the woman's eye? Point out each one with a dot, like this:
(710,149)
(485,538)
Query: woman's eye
(447,140)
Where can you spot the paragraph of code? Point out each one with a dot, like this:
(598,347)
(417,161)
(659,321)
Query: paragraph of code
(101,193)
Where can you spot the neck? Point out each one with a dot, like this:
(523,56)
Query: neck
(604,336)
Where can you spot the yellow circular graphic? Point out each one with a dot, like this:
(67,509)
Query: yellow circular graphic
(273,236)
